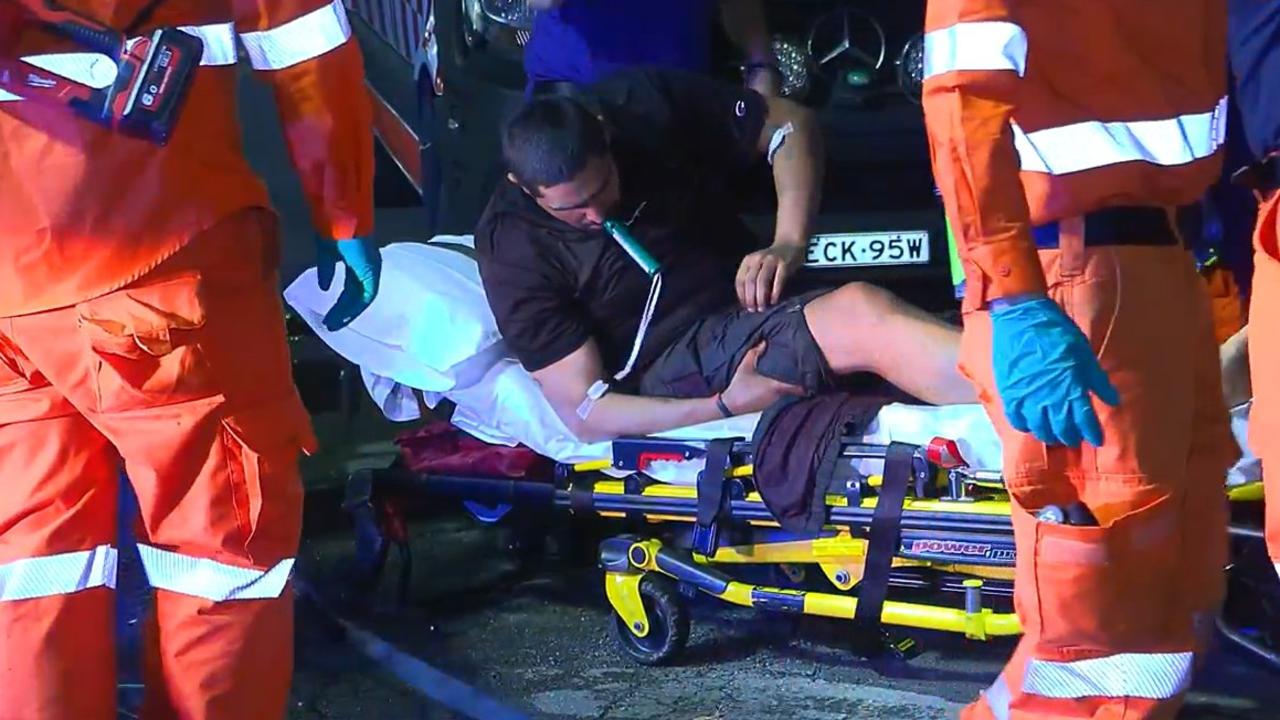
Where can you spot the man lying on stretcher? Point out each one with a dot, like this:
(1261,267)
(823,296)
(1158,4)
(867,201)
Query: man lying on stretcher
(654,150)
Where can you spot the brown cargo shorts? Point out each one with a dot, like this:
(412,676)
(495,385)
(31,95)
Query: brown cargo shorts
(702,361)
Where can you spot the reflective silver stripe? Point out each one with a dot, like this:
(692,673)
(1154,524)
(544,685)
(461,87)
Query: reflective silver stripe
(219,42)
(210,579)
(60,574)
(299,40)
(1093,144)
(1154,676)
(987,45)
(997,45)
(6,96)
(998,697)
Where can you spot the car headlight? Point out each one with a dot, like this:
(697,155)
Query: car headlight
(497,25)
(911,67)
(512,13)
(793,61)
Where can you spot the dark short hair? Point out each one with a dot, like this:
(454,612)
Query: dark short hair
(549,141)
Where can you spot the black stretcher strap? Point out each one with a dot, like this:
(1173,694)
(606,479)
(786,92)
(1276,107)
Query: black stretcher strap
(582,496)
(713,501)
(884,536)
(633,486)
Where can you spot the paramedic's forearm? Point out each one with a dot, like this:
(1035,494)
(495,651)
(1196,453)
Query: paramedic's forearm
(797,178)
(617,415)
(968,112)
(328,129)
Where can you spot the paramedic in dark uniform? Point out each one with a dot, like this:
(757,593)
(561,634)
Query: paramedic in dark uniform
(650,149)
(582,41)
(1255,61)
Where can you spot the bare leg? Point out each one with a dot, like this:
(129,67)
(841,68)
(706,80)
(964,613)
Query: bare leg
(863,328)
(1234,356)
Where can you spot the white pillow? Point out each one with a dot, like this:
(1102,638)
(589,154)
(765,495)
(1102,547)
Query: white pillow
(430,327)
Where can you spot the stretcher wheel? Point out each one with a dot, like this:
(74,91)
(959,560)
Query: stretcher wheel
(668,624)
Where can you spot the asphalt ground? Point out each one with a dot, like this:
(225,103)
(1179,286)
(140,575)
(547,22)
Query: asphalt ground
(538,637)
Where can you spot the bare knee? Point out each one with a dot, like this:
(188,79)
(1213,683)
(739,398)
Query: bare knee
(862,304)
(842,320)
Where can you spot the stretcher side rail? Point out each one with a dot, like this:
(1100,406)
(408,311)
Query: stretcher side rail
(631,453)
(536,492)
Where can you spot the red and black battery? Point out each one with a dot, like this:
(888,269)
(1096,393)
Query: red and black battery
(151,75)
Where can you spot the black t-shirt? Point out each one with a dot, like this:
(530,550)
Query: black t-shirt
(677,139)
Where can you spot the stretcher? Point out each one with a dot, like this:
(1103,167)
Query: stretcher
(926,543)
(920,538)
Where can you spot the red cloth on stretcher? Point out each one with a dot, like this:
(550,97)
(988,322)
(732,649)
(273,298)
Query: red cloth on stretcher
(442,449)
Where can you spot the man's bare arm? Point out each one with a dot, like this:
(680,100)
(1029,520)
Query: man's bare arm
(746,25)
(565,383)
(792,138)
(797,168)
(1234,356)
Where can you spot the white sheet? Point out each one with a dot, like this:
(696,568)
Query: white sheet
(430,332)
(429,329)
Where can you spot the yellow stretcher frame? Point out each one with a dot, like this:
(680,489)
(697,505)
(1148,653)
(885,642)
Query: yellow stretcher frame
(973,621)
(839,555)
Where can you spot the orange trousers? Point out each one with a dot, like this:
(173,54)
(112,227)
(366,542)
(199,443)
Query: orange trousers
(1113,614)
(1264,362)
(183,377)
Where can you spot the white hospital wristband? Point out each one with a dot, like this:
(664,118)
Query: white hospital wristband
(594,393)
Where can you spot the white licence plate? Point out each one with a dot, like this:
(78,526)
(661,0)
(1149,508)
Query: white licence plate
(871,248)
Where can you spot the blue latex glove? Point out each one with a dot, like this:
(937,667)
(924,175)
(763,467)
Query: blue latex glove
(1046,371)
(364,270)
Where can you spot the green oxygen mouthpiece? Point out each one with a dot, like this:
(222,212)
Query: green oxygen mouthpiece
(623,236)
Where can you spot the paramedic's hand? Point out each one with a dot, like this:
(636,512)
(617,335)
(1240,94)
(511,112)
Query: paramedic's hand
(1046,372)
(763,274)
(749,391)
(363,265)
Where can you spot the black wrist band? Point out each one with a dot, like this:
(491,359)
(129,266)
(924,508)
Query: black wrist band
(724,409)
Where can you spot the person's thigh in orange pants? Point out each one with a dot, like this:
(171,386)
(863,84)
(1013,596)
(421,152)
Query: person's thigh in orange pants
(186,375)
(57,552)
(1264,362)
(1113,614)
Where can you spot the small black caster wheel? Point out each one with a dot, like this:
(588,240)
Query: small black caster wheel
(668,624)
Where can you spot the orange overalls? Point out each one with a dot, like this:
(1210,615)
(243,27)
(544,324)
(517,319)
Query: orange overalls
(141,327)
(1255,64)
(1041,111)
(1265,360)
